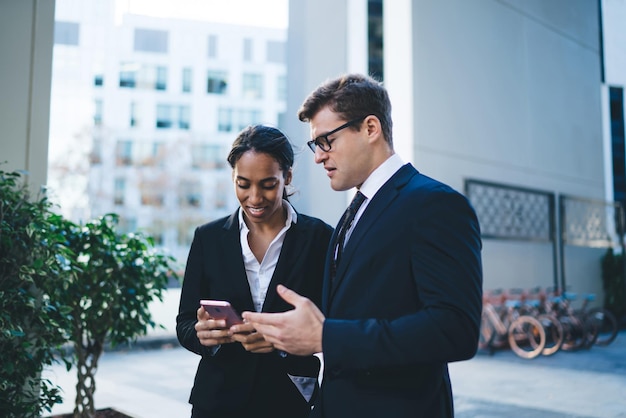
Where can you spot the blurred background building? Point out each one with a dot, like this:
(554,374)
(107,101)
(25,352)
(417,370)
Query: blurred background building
(144,110)
(518,104)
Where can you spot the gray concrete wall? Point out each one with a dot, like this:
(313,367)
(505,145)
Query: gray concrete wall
(320,37)
(509,92)
(503,91)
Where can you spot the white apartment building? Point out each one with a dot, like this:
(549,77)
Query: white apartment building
(144,111)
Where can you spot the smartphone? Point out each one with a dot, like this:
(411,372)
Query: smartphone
(221,309)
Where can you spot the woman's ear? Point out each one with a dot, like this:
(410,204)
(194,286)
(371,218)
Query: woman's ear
(288,176)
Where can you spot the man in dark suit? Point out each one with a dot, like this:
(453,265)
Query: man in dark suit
(403,280)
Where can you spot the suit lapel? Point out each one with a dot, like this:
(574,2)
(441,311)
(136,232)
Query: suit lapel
(288,260)
(374,210)
(234,266)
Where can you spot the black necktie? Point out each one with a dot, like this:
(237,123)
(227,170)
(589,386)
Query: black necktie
(346,221)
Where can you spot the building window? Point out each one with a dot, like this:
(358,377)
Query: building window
(150,40)
(134,121)
(149,77)
(158,153)
(248,117)
(128,75)
(169,116)
(207,157)
(281,86)
(123,153)
(225,120)
(66,33)
(282,120)
(190,194)
(184,115)
(127,225)
(186,80)
(161,78)
(152,193)
(95,156)
(212,46)
(98,80)
(149,154)
(222,194)
(252,86)
(375,38)
(119,191)
(164,116)
(247,49)
(186,229)
(276,52)
(217,82)
(616,107)
(97,114)
(157,230)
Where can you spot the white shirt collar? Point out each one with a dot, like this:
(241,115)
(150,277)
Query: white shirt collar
(259,274)
(380,176)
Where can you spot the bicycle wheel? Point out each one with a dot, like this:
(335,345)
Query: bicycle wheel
(605,324)
(592,328)
(575,333)
(554,333)
(486,335)
(527,338)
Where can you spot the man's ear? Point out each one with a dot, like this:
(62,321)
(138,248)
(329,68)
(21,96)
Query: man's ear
(374,129)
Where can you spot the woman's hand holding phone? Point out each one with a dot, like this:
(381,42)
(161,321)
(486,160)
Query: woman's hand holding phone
(211,331)
(222,325)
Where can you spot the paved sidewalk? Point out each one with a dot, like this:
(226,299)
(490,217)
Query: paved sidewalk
(584,384)
(149,382)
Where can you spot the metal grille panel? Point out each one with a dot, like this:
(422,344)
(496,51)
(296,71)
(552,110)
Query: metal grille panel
(507,212)
(590,223)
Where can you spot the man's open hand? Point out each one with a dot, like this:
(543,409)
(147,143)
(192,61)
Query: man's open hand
(298,331)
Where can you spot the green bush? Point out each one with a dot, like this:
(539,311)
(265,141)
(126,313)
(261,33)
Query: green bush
(613,283)
(61,282)
(114,277)
(32,323)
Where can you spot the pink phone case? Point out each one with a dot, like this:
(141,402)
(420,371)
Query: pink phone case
(220,309)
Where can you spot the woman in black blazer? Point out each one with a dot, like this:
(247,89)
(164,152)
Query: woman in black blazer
(241,259)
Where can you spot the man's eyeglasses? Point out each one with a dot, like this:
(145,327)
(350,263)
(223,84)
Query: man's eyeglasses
(323,142)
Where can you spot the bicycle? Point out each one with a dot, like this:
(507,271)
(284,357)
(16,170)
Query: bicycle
(534,303)
(578,333)
(601,320)
(523,333)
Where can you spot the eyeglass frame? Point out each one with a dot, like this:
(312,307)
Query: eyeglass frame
(317,142)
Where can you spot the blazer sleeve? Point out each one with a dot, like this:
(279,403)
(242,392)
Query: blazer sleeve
(192,282)
(445,267)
